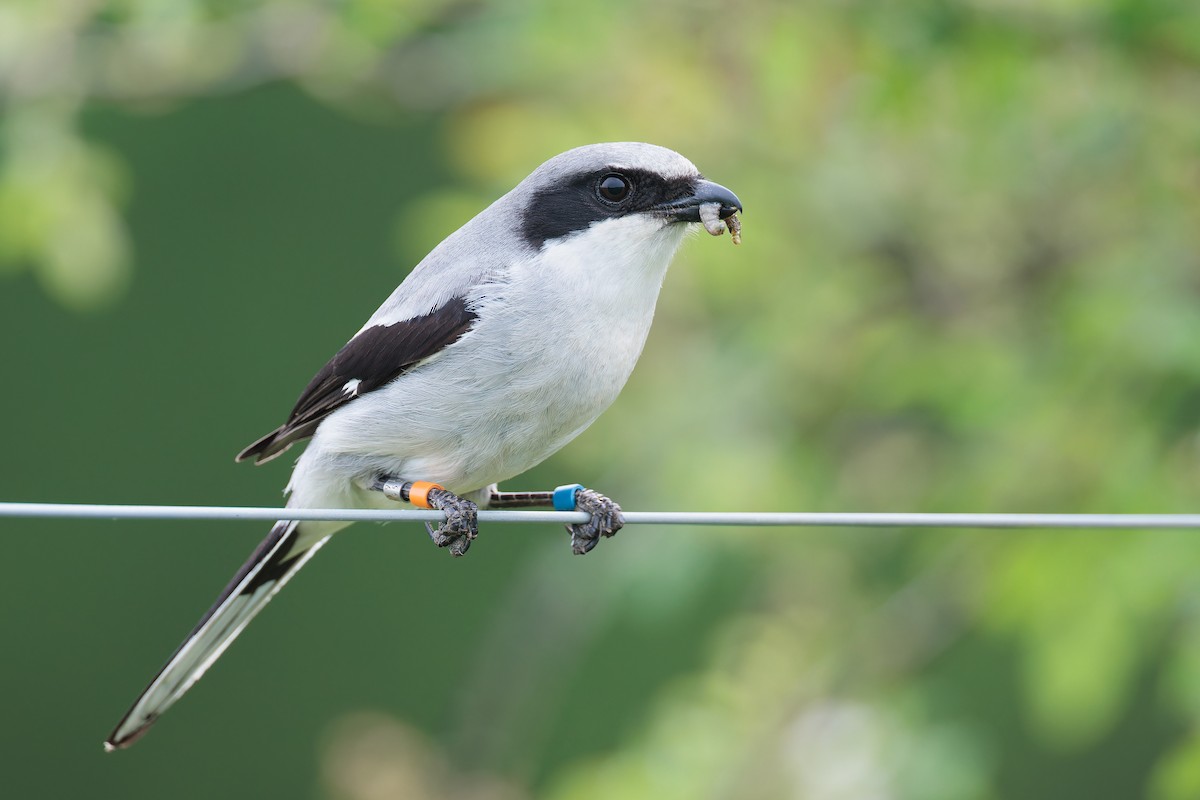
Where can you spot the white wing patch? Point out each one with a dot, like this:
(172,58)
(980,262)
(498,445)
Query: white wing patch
(351,386)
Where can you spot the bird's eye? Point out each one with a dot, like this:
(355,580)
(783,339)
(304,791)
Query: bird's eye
(614,188)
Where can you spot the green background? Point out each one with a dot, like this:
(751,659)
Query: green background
(969,282)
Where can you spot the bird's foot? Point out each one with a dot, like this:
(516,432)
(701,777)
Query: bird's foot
(606,520)
(461,525)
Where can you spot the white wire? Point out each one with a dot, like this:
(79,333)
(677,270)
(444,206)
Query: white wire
(790,519)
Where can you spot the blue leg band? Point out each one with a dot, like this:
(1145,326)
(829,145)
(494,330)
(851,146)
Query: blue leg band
(564,497)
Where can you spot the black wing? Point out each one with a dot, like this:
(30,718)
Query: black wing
(368,361)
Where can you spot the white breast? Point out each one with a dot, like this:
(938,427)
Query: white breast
(576,318)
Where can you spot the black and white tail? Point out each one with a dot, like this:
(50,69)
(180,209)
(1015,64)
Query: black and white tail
(276,560)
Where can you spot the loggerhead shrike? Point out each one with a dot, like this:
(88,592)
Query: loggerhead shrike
(504,343)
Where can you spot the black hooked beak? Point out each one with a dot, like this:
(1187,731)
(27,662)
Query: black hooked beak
(687,209)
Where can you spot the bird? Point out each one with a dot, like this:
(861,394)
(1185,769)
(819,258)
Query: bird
(502,345)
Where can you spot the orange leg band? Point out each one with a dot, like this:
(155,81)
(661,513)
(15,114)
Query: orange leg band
(418,493)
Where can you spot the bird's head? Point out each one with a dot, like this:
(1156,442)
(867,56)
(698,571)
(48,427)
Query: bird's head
(639,188)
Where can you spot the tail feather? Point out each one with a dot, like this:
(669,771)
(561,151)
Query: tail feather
(273,563)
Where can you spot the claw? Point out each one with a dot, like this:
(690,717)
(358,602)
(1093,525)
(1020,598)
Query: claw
(461,525)
(606,520)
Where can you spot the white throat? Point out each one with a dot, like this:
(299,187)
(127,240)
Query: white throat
(617,266)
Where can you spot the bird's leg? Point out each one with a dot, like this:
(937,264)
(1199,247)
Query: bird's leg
(461,525)
(606,515)
(497,499)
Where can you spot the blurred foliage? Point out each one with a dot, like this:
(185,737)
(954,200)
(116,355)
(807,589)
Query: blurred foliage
(969,282)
